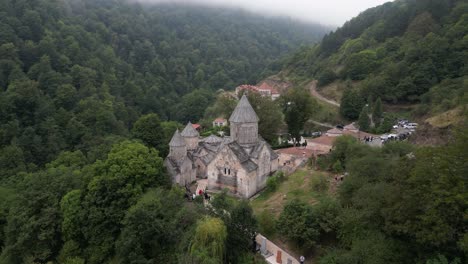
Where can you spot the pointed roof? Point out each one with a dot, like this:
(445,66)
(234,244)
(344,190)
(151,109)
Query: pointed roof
(177,140)
(244,112)
(212,139)
(189,131)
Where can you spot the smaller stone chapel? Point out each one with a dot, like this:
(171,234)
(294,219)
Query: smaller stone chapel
(240,162)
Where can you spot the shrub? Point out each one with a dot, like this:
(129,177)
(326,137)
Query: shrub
(337,167)
(272,183)
(267,223)
(324,162)
(319,183)
(274,180)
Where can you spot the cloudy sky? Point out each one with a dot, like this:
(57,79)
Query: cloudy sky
(330,12)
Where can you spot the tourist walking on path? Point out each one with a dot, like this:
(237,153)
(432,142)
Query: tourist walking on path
(302,259)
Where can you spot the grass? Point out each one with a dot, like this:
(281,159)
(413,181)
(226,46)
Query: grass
(269,205)
(333,91)
(298,185)
(451,117)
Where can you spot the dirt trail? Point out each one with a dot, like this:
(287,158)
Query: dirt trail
(322,124)
(313,90)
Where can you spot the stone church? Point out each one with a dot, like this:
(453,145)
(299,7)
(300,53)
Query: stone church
(240,162)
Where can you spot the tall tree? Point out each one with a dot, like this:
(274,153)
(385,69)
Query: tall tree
(298,108)
(208,245)
(377,112)
(364,121)
(351,104)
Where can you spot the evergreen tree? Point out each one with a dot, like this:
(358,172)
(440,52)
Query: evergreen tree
(377,112)
(351,104)
(363,121)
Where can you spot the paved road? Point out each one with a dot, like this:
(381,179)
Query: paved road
(313,90)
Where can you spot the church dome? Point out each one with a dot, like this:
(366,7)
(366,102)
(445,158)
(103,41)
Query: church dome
(244,113)
(177,140)
(189,131)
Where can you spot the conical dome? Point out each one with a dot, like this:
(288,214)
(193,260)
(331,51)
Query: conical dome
(244,113)
(177,140)
(189,131)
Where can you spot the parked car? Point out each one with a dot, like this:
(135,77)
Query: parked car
(316,134)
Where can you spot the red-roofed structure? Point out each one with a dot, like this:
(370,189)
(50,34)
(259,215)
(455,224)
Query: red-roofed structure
(219,122)
(197,127)
(264,89)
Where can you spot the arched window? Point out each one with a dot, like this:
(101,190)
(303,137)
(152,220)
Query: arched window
(229,171)
(225,171)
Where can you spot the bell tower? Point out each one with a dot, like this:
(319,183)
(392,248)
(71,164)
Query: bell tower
(244,123)
(177,146)
(191,136)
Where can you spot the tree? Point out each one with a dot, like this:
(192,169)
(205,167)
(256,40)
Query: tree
(148,129)
(298,107)
(364,121)
(151,228)
(298,224)
(128,171)
(241,228)
(360,64)
(208,244)
(270,115)
(351,104)
(377,112)
(326,77)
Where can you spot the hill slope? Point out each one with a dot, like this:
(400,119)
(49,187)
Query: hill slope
(73,72)
(404,51)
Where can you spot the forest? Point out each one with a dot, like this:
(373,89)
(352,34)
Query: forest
(403,52)
(78,74)
(90,95)
(92,91)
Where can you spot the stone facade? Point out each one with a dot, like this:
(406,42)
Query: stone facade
(240,163)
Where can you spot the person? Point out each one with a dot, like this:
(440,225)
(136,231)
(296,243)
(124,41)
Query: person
(302,259)
(200,192)
(193,196)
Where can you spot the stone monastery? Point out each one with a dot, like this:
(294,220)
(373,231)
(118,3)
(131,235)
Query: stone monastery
(241,162)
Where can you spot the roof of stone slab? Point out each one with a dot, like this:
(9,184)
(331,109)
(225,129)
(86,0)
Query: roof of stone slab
(177,140)
(189,131)
(249,165)
(212,139)
(244,112)
(258,148)
(238,151)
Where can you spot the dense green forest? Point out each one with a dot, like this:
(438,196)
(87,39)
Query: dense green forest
(90,94)
(72,73)
(91,91)
(412,51)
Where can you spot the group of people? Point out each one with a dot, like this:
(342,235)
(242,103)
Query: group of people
(368,139)
(193,196)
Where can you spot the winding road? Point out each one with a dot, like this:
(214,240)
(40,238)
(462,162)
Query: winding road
(313,90)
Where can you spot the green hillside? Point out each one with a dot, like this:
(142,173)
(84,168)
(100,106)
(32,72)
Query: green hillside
(74,72)
(405,52)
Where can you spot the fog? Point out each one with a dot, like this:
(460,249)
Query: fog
(330,12)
